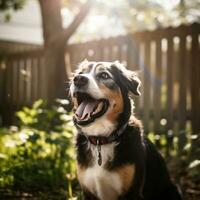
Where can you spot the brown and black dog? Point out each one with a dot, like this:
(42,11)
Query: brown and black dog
(115,160)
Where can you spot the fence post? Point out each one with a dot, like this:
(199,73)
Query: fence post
(158,85)
(146,88)
(2,90)
(195,79)
(6,106)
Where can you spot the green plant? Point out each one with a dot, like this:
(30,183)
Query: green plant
(37,155)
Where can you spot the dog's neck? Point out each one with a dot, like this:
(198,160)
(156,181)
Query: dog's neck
(102,140)
(100,127)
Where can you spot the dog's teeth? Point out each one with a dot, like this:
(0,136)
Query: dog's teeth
(85,117)
(98,109)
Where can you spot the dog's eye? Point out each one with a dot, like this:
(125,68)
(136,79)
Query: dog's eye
(104,75)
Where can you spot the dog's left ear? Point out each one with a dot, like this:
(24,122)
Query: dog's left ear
(132,82)
(128,78)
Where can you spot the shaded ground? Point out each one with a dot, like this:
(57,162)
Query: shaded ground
(188,184)
(190,187)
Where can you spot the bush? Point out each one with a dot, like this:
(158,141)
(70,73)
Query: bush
(37,155)
(181,151)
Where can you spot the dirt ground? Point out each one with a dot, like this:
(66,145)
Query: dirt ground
(189,186)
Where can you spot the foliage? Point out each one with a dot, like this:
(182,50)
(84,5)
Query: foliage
(119,17)
(11,4)
(181,152)
(36,157)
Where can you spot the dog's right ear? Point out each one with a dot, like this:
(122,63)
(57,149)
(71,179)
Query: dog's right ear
(82,63)
(127,78)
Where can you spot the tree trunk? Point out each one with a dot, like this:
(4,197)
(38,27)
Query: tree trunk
(54,49)
(55,40)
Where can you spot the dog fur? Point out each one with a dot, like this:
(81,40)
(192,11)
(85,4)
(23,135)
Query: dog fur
(132,168)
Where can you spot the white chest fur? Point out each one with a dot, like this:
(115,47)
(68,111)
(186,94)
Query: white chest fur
(102,126)
(105,184)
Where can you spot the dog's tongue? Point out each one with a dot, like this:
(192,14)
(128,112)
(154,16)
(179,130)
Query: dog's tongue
(85,109)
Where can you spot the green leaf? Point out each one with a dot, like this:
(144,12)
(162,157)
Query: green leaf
(194,163)
(38,104)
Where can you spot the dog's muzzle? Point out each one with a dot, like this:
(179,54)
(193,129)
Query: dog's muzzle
(89,108)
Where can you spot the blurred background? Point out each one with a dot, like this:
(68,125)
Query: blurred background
(41,44)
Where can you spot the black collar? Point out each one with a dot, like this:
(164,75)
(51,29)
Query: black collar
(102,140)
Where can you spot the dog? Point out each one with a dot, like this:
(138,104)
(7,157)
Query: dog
(115,161)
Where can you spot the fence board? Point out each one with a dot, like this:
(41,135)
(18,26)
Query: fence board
(170,80)
(27,77)
(21,82)
(133,51)
(141,65)
(15,81)
(195,89)
(188,75)
(34,73)
(11,81)
(147,100)
(2,81)
(8,82)
(182,84)
(28,81)
(157,89)
(7,106)
(176,60)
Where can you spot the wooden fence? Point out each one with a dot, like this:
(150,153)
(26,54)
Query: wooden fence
(167,61)
(23,80)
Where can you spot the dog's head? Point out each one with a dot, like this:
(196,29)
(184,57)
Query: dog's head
(99,92)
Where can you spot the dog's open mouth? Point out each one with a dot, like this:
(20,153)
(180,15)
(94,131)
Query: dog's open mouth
(89,108)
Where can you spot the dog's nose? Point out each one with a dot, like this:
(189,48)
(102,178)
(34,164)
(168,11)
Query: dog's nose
(80,81)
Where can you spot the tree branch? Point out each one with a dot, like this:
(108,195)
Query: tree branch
(84,10)
(63,36)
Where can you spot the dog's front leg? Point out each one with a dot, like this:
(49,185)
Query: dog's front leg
(89,196)
(130,198)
